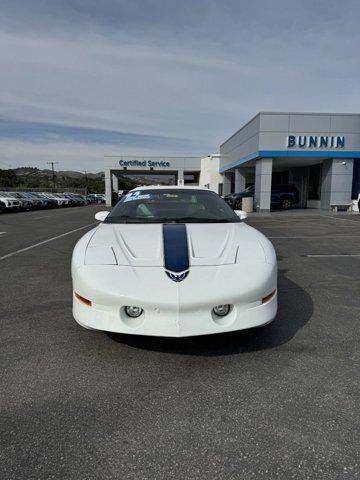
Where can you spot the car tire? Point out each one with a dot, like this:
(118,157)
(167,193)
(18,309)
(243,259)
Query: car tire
(2,207)
(238,204)
(286,203)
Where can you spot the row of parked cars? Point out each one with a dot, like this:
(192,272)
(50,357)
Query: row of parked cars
(21,201)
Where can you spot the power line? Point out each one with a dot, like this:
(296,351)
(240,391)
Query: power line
(86,182)
(53,171)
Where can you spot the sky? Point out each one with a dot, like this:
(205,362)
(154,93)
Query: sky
(81,79)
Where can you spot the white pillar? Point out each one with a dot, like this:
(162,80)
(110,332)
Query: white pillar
(115,182)
(226,184)
(180,177)
(108,187)
(263,174)
(336,183)
(240,180)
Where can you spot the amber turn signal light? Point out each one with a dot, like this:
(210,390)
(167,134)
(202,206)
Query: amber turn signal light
(82,299)
(268,297)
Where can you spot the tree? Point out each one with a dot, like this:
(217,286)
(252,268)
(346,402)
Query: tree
(8,178)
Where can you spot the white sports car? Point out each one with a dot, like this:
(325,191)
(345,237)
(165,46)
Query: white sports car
(174,262)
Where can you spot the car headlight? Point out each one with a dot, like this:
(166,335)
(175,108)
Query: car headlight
(221,310)
(133,312)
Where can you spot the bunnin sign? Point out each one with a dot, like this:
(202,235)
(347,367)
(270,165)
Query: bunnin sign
(315,141)
(145,163)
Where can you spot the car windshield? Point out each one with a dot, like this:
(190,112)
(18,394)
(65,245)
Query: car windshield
(171,206)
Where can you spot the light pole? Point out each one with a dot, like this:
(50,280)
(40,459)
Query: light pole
(86,182)
(53,171)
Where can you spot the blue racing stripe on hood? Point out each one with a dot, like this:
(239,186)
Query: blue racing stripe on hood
(176,251)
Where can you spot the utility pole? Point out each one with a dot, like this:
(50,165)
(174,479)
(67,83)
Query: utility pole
(53,171)
(86,182)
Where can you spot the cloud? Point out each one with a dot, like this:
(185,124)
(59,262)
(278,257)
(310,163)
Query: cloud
(164,77)
(38,132)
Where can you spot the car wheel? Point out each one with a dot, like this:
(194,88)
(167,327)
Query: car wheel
(2,207)
(238,204)
(286,203)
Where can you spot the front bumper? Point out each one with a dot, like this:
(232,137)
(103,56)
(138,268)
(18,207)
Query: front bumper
(171,309)
(183,324)
(14,206)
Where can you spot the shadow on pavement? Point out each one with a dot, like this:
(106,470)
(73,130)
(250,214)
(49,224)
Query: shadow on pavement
(295,310)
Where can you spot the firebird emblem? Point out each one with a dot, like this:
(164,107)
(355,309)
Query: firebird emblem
(177,278)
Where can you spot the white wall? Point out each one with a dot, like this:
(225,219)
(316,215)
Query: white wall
(209,174)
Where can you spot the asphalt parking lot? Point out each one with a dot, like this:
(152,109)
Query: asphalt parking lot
(281,402)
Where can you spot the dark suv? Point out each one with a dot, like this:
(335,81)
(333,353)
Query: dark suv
(283,196)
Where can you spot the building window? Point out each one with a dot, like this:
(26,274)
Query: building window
(191,178)
(280,178)
(220,189)
(232,182)
(356,179)
(314,182)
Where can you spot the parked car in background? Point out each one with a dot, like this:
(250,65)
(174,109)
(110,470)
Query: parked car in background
(65,202)
(49,202)
(8,203)
(73,201)
(97,198)
(60,199)
(80,199)
(37,202)
(55,201)
(26,203)
(85,199)
(235,199)
(283,196)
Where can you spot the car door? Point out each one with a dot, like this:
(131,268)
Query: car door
(275,195)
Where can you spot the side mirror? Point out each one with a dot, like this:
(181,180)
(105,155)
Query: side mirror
(241,214)
(101,216)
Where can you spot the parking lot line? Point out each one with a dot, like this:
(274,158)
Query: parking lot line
(40,217)
(324,255)
(46,241)
(313,236)
(343,219)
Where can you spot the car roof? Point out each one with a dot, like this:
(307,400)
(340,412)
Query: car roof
(167,187)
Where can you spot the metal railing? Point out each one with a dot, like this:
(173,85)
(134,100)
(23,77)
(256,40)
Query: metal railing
(81,191)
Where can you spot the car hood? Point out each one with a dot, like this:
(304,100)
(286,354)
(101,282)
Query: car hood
(10,198)
(143,246)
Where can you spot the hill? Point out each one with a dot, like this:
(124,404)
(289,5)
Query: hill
(32,177)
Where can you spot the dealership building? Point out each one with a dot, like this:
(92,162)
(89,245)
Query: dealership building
(317,152)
